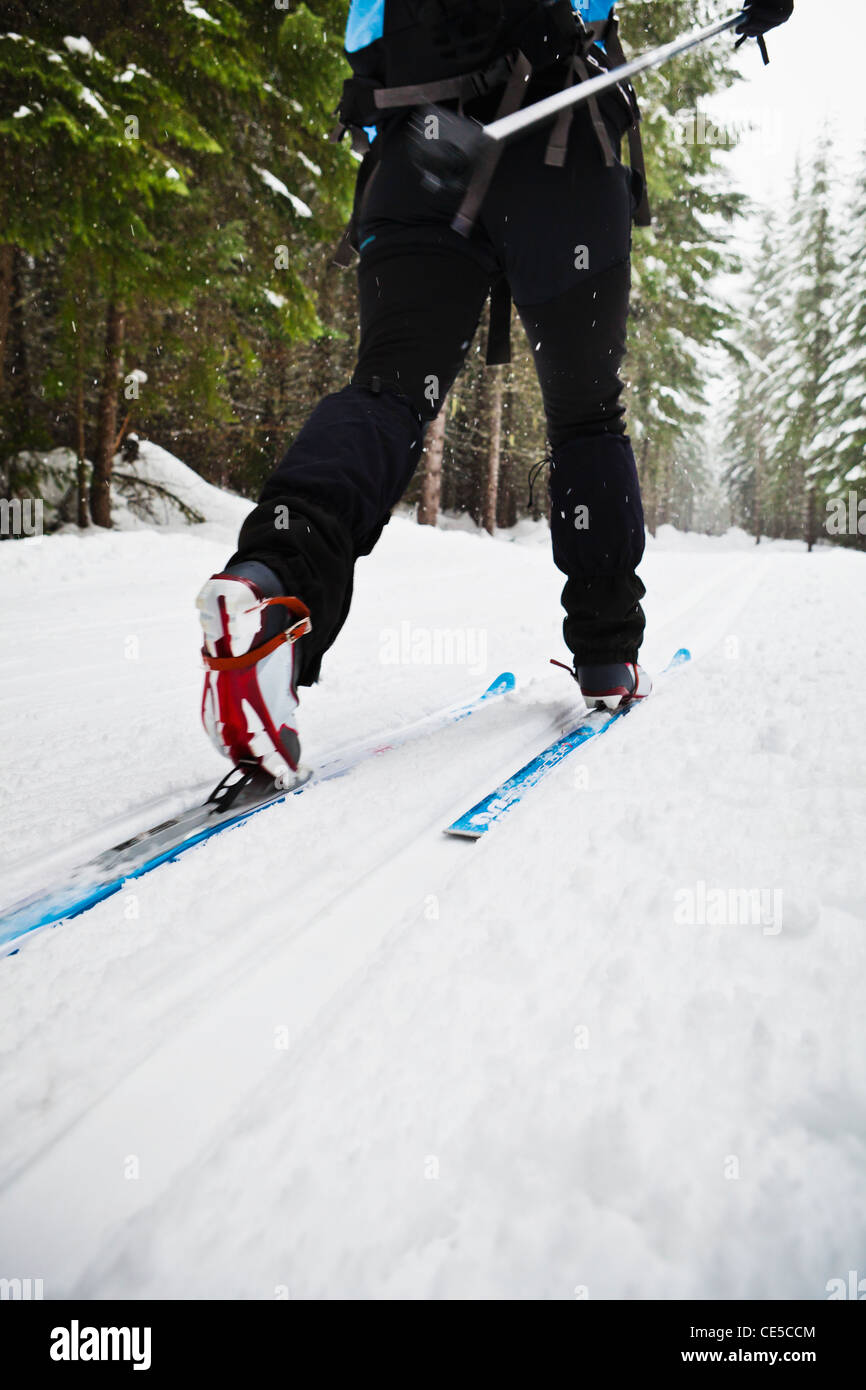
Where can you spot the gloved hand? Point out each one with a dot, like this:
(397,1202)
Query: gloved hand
(761,15)
(445,149)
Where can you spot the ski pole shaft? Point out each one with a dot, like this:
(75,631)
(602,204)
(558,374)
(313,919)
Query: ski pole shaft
(540,111)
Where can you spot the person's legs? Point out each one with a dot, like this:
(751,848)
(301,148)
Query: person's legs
(564,236)
(597,524)
(422,289)
(326,502)
(270,617)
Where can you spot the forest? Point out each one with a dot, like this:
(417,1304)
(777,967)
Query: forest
(169,207)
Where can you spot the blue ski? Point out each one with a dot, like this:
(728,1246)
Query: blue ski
(241,794)
(490,810)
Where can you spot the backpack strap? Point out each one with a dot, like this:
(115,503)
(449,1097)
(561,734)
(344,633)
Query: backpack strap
(364,101)
(557,145)
(512,97)
(643,212)
(606,31)
(499,330)
(462,88)
(601,132)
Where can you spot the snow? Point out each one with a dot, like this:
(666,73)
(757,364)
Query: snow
(79,45)
(130,72)
(337,1053)
(309,163)
(134,504)
(22,111)
(92,101)
(278,186)
(197,12)
(278,300)
(220,509)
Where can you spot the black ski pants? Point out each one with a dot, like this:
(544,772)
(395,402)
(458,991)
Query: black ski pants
(561,236)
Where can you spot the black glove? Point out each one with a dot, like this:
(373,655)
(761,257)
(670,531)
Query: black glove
(761,15)
(445,148)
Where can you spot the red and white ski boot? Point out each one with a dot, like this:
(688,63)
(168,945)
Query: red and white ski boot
(251,632)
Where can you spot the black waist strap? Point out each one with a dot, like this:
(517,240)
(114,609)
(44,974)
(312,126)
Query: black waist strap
(463,88)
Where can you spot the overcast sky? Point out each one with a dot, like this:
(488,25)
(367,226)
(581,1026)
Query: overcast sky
(817,76)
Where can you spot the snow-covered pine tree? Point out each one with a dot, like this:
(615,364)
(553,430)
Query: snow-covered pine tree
(676,307)
(839,468)
(756,413)
(806,352)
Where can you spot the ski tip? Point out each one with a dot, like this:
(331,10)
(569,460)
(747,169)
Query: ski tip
(460,832)
(502,684)
(681,656)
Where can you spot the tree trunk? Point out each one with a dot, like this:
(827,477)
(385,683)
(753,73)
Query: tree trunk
(759,492)
(811,531)
(507,479)
(81,471)
(431,483)
(100,483)
(494,451)
(663,511)
(6,260)
(19,365)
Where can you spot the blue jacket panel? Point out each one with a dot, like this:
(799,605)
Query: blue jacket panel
(591,11)
(366,23)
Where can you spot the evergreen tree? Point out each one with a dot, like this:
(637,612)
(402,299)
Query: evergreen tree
(840,445)
(756,416)
(145,146)
(676,309)
(813,287)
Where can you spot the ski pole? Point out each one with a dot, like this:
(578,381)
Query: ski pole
(542,110)
(454,153)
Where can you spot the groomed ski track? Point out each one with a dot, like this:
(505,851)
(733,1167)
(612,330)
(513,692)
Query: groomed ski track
(342,1054)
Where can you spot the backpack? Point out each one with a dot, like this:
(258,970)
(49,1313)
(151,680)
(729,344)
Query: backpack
(407,53)
(404,42)
(410,53)
(404,52)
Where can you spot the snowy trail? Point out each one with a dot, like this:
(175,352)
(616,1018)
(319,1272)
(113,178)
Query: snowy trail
(438,1124)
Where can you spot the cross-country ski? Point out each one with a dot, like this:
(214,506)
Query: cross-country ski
(475,822)
(242,793)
